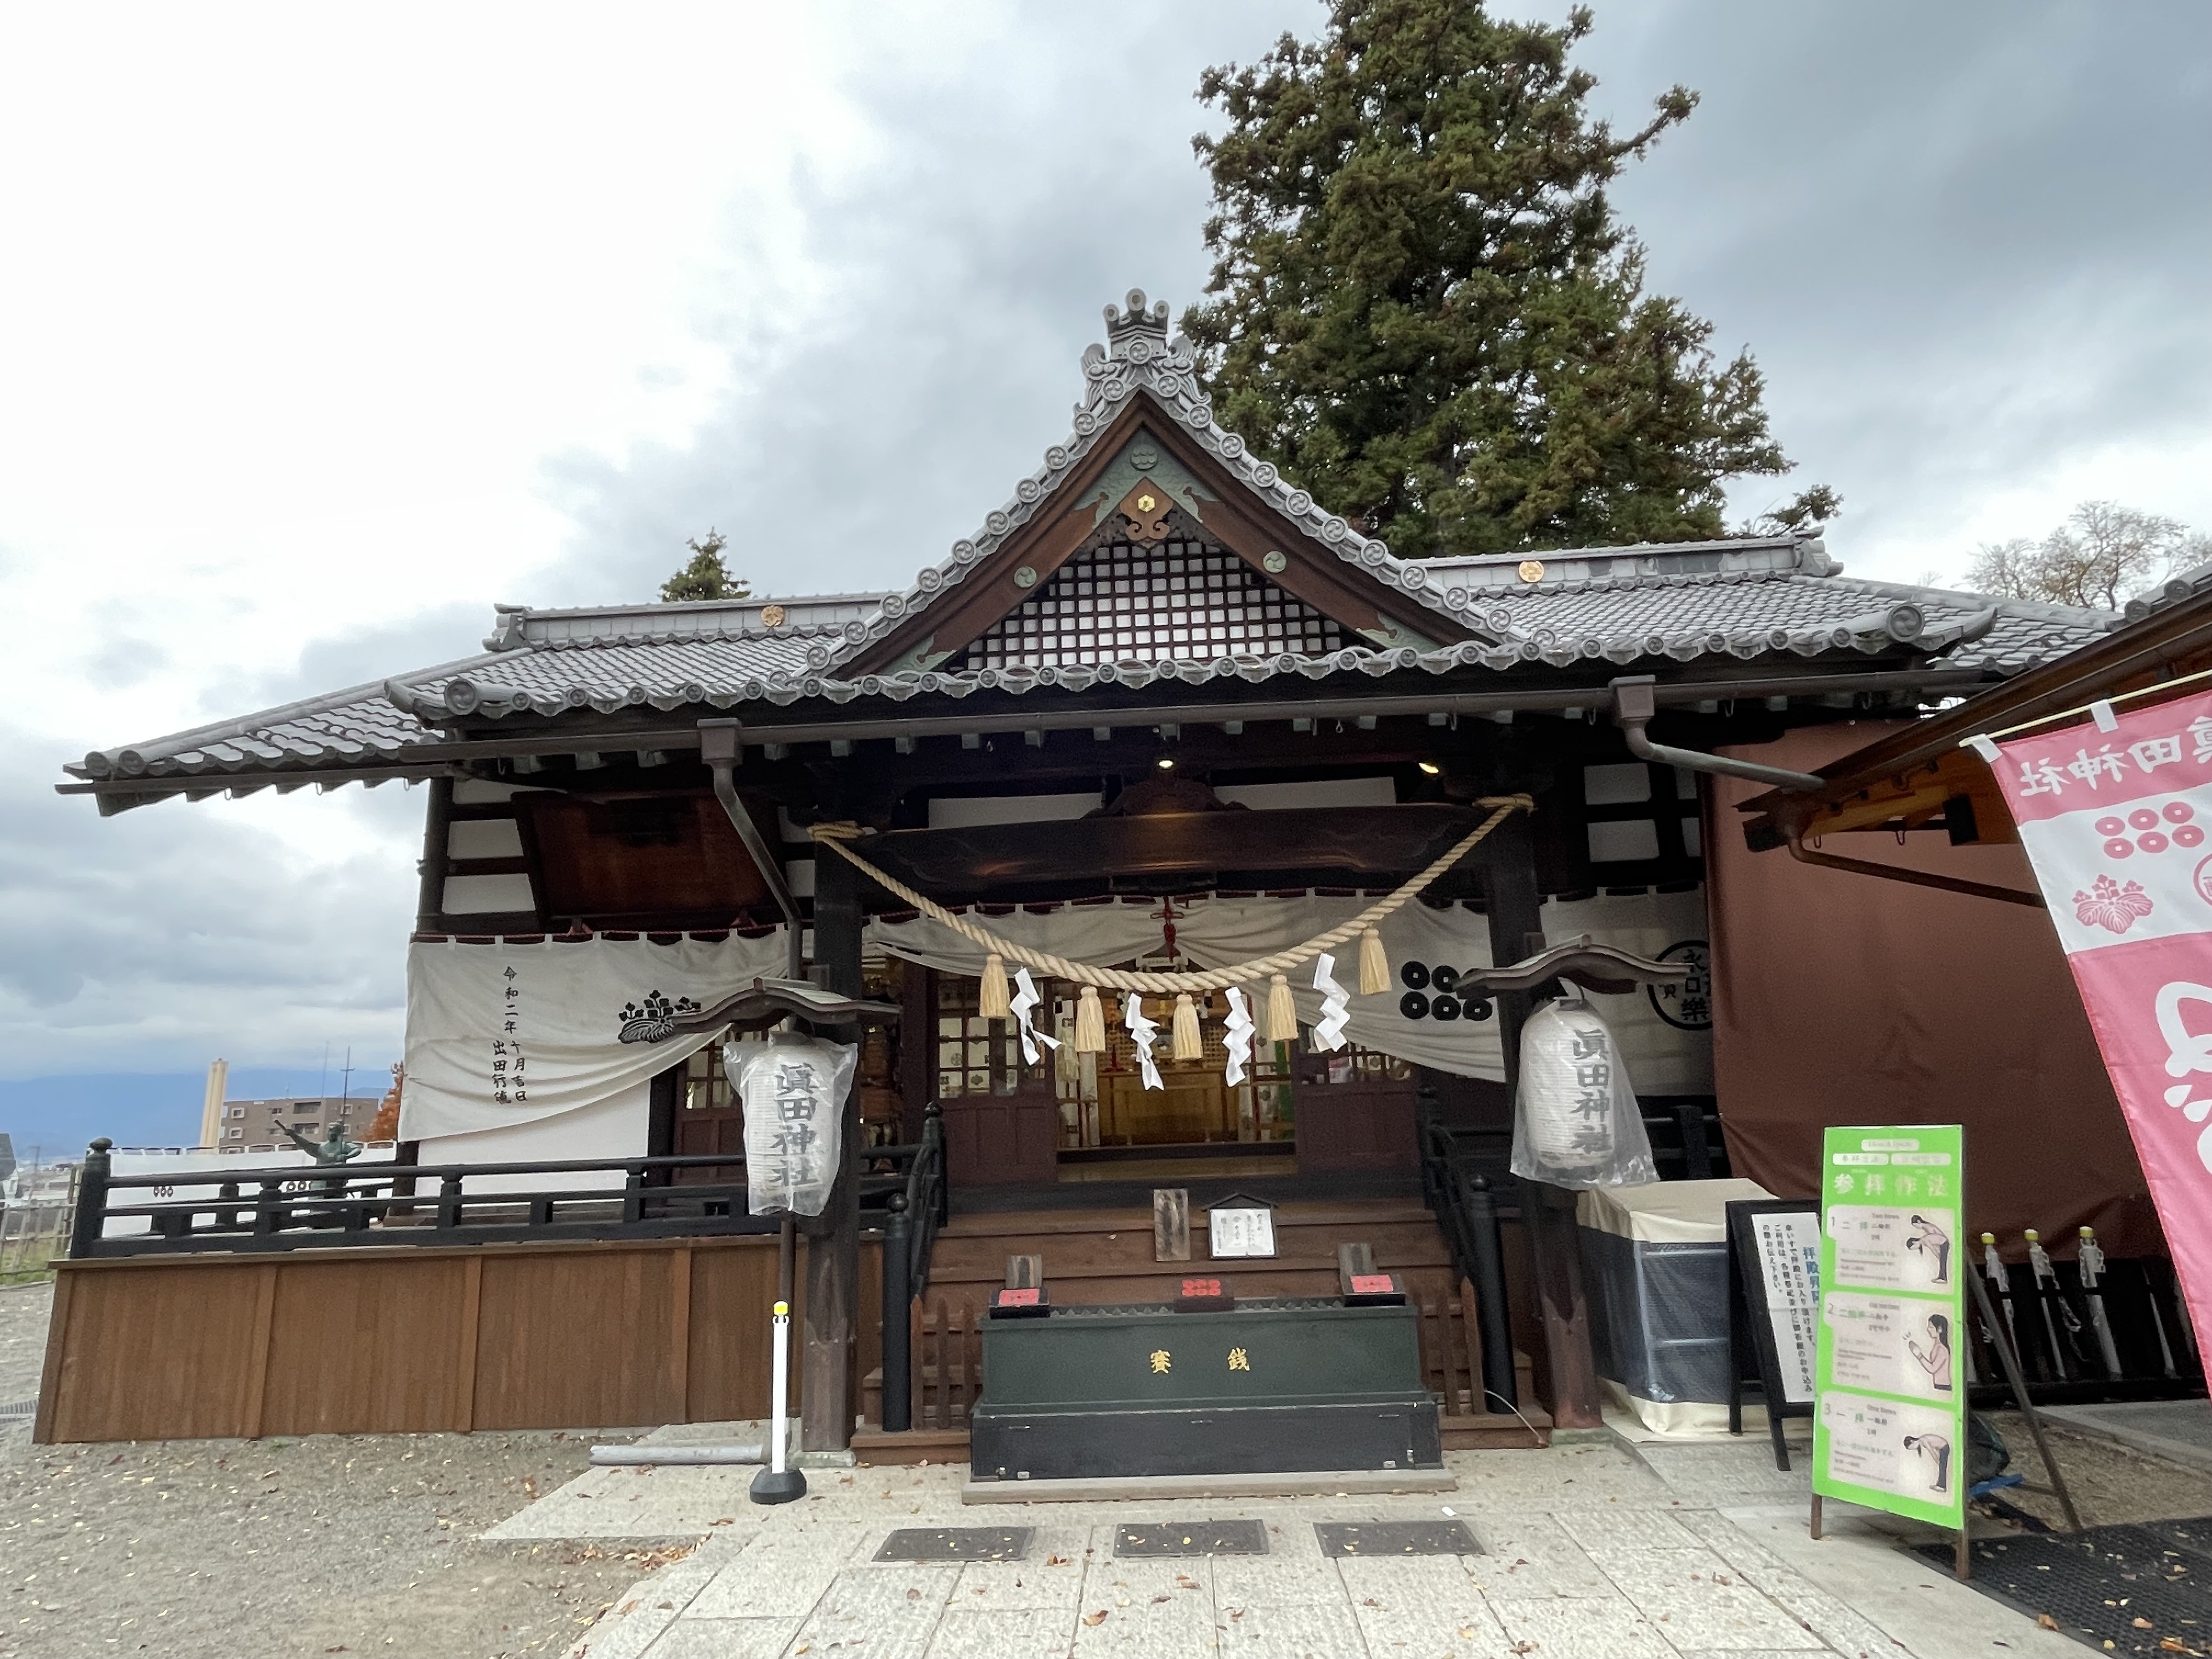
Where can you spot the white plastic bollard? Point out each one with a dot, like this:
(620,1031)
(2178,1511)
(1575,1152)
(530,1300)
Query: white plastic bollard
(776,1483)
(779,1389)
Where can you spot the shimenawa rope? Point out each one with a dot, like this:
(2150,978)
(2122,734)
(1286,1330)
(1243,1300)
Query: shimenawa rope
(1212,979)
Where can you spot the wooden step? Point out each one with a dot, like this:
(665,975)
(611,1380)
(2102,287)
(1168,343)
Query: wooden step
(1486,1432)
(874,1446)
(1497,1431)
(991,1223)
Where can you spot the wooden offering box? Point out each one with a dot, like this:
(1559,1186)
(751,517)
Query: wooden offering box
(1272,1387)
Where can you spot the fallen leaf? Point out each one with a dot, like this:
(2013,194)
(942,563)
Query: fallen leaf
(2141,1623)
(914,1595)
(2046,1621)
(1157,1599)
(1370,1602)
(1055,1560)
(626,1609)
(1094,1620)
(724,1520)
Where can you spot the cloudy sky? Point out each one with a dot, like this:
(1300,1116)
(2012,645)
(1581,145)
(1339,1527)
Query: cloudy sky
(321,331)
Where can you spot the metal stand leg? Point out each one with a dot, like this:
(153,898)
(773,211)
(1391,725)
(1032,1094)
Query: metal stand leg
(776,1483)
(2010,1361)
(1816,1516)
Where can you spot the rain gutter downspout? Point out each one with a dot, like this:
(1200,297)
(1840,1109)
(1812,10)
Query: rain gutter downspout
(719,742)
(1635,701)
(1633,705)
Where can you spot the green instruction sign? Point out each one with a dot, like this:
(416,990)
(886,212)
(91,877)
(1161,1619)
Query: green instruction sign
(1889,1423)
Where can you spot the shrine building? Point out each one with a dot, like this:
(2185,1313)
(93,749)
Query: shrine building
(1162,713)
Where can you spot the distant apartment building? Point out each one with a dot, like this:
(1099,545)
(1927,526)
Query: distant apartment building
(263,1122)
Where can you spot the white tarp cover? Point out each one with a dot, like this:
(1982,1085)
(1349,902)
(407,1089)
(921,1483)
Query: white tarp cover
(1666,1212)
(504,1034)
(584,1012)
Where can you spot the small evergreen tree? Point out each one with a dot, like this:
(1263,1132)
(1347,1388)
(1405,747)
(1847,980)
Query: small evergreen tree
(706,577)
(1427,312)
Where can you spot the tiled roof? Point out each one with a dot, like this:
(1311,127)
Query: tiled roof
(1610,609)
(1642,605)
(2182,585)
(1139,360)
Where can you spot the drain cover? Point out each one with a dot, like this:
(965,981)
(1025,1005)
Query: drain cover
(1395,1538)
(957,1544)
(2096,1585)
(19,1408)
(1193,1538)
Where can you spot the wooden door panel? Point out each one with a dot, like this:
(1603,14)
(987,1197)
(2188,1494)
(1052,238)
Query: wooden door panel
(998,1140)
(1356,1127)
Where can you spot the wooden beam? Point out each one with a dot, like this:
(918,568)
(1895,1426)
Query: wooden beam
(1377,841)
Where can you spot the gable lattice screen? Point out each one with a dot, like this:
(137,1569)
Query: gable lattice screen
(1181,600)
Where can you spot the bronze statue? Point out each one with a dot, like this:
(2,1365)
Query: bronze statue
(336,1149)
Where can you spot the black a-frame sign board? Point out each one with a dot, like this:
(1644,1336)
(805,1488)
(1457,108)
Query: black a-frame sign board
(1774,1309)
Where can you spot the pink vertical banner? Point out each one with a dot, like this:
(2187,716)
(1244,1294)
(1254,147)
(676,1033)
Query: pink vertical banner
(2117,819)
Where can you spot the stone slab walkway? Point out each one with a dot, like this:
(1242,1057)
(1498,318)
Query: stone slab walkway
(1591,1550)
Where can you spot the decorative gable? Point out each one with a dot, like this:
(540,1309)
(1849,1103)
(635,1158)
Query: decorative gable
(1168,596)
(1147,463)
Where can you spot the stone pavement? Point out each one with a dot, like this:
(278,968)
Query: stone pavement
(1593,1550)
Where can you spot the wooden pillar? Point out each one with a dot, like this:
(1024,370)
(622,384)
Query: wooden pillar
(833,1239)
(1517,917)
(917,1049)
(1547,1214)
(437,827)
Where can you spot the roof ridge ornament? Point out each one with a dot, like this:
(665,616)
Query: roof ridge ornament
(1125,330)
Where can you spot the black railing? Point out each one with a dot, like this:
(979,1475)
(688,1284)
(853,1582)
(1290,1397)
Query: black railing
(314,1206)
(910,1225)
(1458,1164)
(1685,1132)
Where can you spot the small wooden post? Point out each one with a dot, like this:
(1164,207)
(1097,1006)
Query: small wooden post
(1170,1223)
(90,1220)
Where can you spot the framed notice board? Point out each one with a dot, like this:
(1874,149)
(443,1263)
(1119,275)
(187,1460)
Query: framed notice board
(1774,1309)
(1890,1427)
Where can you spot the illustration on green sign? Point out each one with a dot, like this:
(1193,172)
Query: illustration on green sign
(1889,1430)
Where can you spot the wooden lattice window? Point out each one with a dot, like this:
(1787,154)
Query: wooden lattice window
(1181,600)
(706,1084)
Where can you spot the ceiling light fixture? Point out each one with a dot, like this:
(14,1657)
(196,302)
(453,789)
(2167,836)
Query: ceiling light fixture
(1164,763)
(1430,768)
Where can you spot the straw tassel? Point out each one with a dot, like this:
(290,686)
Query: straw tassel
(1281,1025)
(1090,1022)
(993,1001)
(1374,966)
(1188,1043)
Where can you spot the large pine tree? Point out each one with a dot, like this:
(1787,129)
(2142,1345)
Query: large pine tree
(1428,314)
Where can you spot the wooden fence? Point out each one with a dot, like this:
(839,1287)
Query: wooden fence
(410,1339)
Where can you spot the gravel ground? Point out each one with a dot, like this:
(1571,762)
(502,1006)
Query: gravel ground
(234,1549)
(2111,1483)
(23,1310)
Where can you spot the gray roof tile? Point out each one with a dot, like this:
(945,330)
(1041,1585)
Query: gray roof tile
(1741,599)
